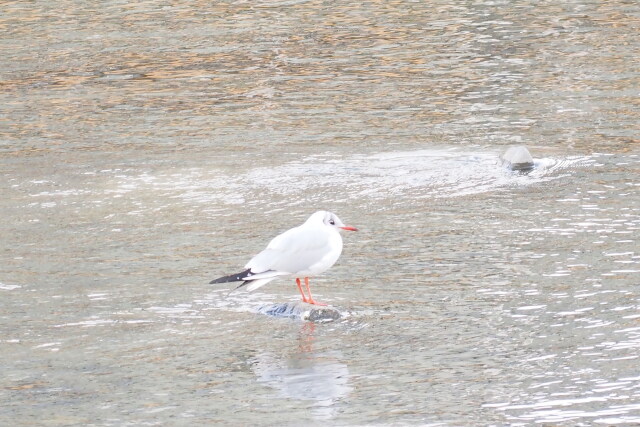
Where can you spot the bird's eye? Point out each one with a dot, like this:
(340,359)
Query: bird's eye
(332,222)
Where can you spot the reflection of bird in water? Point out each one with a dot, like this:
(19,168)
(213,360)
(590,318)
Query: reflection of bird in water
(304,251)
(306,337)
(305,375)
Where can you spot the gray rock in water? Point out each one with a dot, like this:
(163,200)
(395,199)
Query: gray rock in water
(302,311)
(517,158)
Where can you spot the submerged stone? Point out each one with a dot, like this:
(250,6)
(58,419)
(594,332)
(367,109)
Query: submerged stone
(301,311)
(517,158)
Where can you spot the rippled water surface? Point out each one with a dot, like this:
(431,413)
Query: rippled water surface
(148,147)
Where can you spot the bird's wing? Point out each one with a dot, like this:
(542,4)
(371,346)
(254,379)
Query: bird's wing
(292,251)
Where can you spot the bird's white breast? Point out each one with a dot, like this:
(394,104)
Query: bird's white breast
(334,249)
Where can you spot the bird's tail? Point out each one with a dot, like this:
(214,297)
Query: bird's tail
(253,284)
(232,277)
(248,278)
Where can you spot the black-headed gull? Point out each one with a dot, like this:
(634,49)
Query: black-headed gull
(304,251)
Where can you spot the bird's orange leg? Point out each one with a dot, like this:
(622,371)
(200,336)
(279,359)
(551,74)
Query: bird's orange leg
(310,301)
(304,298)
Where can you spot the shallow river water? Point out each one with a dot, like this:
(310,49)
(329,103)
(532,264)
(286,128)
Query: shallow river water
(149,147)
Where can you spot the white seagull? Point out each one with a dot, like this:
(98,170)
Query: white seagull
(304,251)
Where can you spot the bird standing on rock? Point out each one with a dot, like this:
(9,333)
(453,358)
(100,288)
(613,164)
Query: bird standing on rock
(304,251)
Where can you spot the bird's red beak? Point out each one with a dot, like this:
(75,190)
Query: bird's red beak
(348,227)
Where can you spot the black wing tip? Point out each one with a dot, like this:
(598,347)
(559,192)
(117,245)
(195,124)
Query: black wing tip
(232,277)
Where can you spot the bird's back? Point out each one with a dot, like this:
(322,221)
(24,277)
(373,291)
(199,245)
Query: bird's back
(304,250)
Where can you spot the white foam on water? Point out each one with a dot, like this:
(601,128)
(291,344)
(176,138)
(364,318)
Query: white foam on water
(416,175)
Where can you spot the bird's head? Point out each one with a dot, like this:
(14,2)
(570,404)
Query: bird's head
(330,219)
